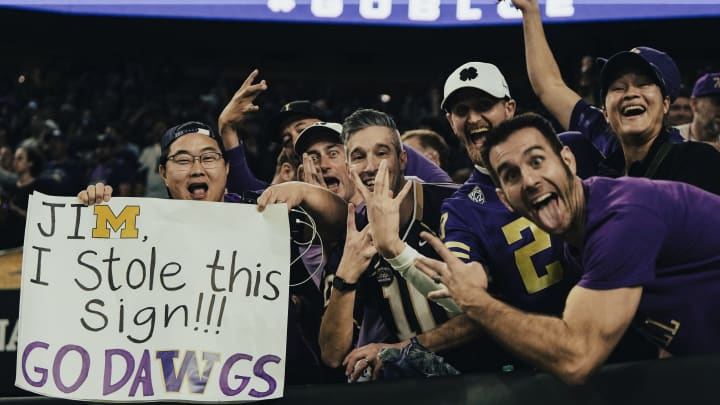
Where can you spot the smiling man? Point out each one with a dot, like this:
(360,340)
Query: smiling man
(665,282)
(371,306)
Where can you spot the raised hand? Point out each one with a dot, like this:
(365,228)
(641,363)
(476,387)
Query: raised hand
(239,107)
(358,252)
(310,172)
(463,281)
(383,211)
(95,194)
(526,5)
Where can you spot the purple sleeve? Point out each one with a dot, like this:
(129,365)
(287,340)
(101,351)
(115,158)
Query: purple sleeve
(587,158)
(240,178)
(591,122)
(421,167)
(622,249)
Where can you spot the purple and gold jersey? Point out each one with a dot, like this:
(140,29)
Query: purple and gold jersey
(660,235)
(387,308)
(526,266)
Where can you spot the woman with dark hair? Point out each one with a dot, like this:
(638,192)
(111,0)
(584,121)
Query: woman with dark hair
(28,165)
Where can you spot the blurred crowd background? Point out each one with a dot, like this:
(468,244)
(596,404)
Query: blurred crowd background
(86,98)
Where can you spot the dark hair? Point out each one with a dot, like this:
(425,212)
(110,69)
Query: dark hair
(500,134)
(364,118)
(429,139)
(289,157)
(35,156)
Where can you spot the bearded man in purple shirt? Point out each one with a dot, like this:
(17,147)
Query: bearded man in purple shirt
(647,248)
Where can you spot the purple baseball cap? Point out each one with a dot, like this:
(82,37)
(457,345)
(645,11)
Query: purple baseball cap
(190,127)
(660,64)
(707,85)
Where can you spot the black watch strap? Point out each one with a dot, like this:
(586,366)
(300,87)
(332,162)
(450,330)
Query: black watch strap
(341,285)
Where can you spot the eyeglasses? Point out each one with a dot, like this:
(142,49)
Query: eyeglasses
(184,161)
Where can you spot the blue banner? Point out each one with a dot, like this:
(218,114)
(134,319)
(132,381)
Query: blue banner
(380,12)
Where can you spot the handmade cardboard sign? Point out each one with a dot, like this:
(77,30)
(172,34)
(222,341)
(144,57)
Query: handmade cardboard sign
(146,299)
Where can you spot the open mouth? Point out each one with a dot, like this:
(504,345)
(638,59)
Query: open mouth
(332,183)
(198,191)
(549,212)
(369,182)
(543,200)
(477,136)
(632,110)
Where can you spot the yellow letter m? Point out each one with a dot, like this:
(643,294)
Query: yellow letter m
(104,217)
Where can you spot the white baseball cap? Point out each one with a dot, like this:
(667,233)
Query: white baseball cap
(329,130)
(476,75)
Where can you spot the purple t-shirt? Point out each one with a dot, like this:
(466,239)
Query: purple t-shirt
(660,235)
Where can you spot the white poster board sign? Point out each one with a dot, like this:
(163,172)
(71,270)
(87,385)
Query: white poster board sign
(147,299)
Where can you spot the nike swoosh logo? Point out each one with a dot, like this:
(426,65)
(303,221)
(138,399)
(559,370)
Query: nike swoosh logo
(422,243)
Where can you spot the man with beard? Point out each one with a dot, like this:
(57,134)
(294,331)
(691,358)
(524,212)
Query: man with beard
(647,250)
(705,103)
(636,89)
(525,264)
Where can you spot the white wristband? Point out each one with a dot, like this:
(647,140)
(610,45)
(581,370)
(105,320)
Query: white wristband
(404,263)
(404,260)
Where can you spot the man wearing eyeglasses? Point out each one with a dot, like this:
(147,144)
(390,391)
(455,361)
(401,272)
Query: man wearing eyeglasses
(182,146)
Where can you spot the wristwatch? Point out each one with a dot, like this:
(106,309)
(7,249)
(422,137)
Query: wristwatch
(341,285)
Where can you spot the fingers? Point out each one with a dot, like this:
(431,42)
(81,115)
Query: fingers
(253,91)
(439,294)
(247,89)
(439,247)
(107,193)
(351,360)
(251,78)
(351,219)
(358,369)
(360,186)
(431,267)
(265,198)
(95,194)
(406,189)
(381,178)
(311,172)
(306,174)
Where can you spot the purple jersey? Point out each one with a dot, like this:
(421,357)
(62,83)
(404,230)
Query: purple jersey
(241,179)
(424,169)
(387,308)
(660,235)
(526,265)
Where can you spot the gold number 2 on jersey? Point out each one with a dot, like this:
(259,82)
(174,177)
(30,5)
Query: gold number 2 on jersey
(533,282)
